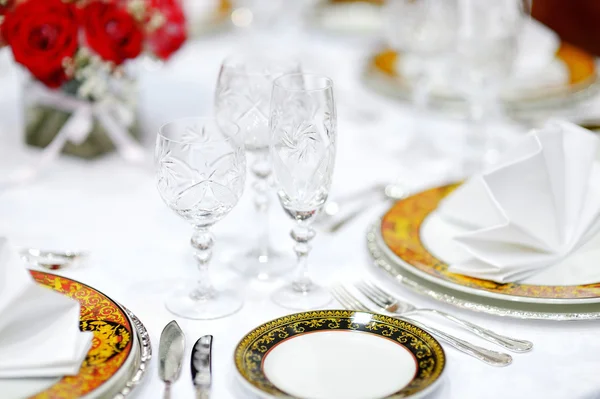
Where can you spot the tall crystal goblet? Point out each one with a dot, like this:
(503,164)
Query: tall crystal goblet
(200,173)
(303,146)
(487,44)
(243,96)
(424,32)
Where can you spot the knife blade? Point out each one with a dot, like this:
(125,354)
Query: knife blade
(170,355)
(202,366)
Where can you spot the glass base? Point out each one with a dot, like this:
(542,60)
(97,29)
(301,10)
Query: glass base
(254,265)
(220,304)
(314,298)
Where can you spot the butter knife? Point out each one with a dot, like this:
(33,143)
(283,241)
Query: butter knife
(170,355)
(201,366)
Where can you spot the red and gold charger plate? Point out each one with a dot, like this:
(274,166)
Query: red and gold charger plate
(401,241)
(120,345)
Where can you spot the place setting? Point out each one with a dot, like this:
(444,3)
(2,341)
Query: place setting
(200,176)
(455,276)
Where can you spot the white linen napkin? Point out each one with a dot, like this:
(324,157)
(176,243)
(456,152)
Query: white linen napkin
(39,328)
(536,208)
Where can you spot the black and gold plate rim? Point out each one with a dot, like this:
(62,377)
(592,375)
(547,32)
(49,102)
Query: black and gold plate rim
(254,347)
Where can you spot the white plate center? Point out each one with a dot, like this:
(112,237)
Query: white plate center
(339,365)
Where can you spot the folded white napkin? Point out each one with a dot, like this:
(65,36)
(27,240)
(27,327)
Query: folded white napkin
(39,328)
(532,211)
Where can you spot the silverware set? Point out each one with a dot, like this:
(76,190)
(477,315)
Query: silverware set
(378,300)
(170,359)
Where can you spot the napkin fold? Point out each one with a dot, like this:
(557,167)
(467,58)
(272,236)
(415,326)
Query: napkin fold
(538,206)
(39,328)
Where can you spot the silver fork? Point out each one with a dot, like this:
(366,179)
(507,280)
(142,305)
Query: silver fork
(347,300)
(393,305)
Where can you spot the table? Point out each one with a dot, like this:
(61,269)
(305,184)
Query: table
(139,248)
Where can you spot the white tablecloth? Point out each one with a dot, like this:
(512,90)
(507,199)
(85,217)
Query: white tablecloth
(140,249)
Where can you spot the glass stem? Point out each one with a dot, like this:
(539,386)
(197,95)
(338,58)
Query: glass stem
(420,94)
(302,234)
(478,140)
(261,169)
(420,141)
(202,242)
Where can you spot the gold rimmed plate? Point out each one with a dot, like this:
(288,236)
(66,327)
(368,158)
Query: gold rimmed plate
(339,354)
(400,238)
(116,361)
(382,75)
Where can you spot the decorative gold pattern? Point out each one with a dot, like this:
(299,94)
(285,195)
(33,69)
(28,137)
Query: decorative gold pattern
(111,344)
(253,348)
(400,229)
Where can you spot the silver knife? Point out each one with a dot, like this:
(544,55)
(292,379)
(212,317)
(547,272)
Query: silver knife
(201,366)
(170,355)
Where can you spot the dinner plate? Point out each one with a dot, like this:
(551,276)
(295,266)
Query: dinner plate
(339,354)
(520,310)
(116,361)
(400,239)
(383,76)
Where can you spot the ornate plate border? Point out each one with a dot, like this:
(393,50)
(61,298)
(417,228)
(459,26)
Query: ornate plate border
(142,353)
(400,232)
(472,302)
(254,347)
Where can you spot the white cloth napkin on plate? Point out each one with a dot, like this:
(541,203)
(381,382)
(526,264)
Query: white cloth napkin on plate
(39,328)
(538,206)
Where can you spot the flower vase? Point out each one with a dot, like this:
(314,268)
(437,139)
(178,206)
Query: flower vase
(48,111)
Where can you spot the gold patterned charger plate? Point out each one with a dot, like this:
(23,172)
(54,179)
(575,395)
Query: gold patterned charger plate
(117,359)
(399,239)
(383,76)
(320,354)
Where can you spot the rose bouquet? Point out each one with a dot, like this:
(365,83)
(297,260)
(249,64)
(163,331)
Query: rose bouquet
(77,52)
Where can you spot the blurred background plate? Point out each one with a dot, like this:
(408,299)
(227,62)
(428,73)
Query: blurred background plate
(383,75)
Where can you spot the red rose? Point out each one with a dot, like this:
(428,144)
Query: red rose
(41,34)
(111,31)
(6,6)
(171,35)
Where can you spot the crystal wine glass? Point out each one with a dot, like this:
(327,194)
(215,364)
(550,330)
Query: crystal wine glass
(243,96)
(487,44)
(303,145)
(423,31)
(200,172)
